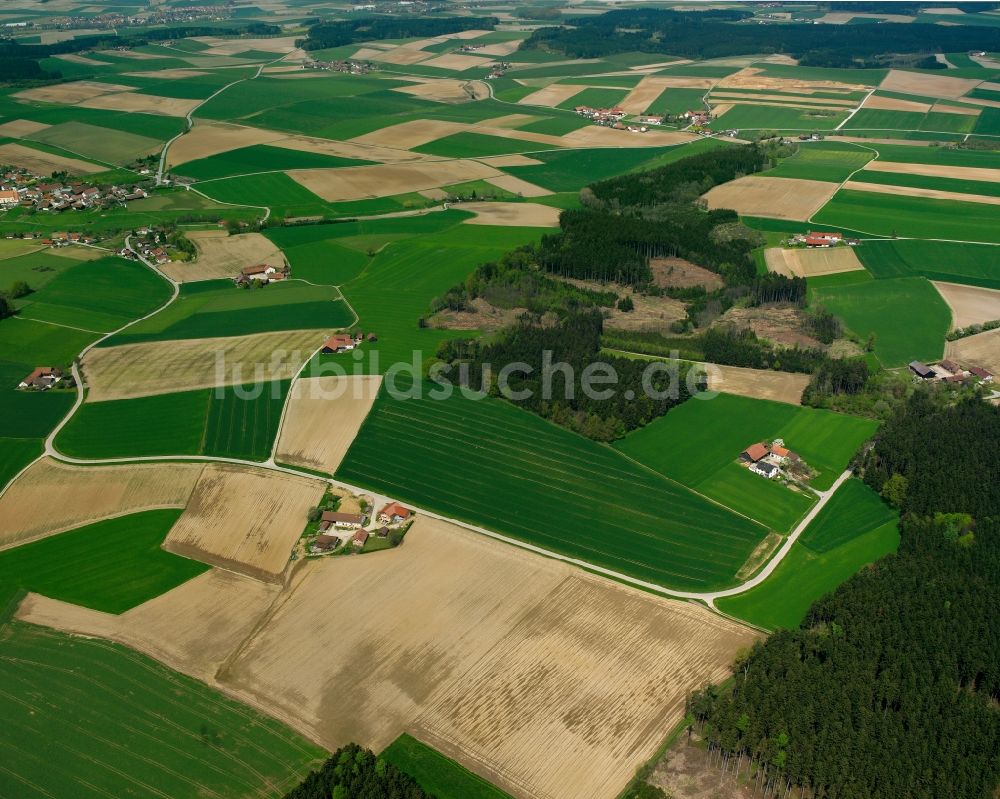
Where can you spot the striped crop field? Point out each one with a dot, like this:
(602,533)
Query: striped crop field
(490,463)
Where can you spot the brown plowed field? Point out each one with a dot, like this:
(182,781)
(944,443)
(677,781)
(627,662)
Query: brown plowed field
(779,198)
(970,305)
(221,255)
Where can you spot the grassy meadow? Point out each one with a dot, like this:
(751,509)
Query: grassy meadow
(907,316)
(438,775)
(127,726)
(527,478)
(211,308)
(957,262)
(823,160)
(260,158)
(854,529)
(111,565)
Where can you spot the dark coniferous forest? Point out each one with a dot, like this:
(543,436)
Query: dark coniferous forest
(890,687)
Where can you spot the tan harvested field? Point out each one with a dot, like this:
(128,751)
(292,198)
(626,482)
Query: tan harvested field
(322,417)
(895,104)
(73,58)
(486,652)
(925,85)
(509,160)
(137,103)
(131,54)
(843,17)
(500,49)
(721,109)
(443,90)
(945,108)
(757,383)
(982,349)
(644,93)
(551,96)
(750,78)
(51,497)
(18,128)
(160,367)
(71,93)
(457,62)
(401,56)
(678,273)
(934,170)
(598,136)
(811,262)
(512,214)
(509,120)
(221,255)
(384,180)
(168,74)
(933,194)
(244,519)
(970,305)
(863,140)
(792,103)
(411,134)
(785,99)
(45,163)
(518,186)
(219,46)
(192,628)
(780,198)
(212,138)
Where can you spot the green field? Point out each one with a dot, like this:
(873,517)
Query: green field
(975,264)
(917,217)
(473,145)
(556,126)
(111,565)
(438,775)
(260,158)
(279,192)
(100,143)
(823,160)
(537,482)
(907,315)
(776,117)
(879,119)
(677,101)
(97,296)
(236,422)
(124,725)
(942,156)
(854,529)
(595,98)
(15,454)
(217,308)
(697,439)
(765,501)
(988,188)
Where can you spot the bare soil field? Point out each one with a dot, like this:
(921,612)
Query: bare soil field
(411,134)
(750,78)
(551,96)
(757,383)
(643,95)
(682,82)
(935,170)
(811,263)
(518,186)
(509,160)
(384,180)
(443,90)
(925,85)
(780,198)
(160,367)
(18,128)
(500,49)
(598,136)
(221,255)
(51,497)
(401,56)
(71,93)
(137,103)
(131,54)
(678,273)
(74,58)
(944,108)
(219,46)
(322,418)
(843,17)
(911,191)
(192,628)
(244,519)
(168,74)
(983,350)
(509,120)
(970,305)
(455,61)
(486,652)
(513,214)
(44,163)
(863,140)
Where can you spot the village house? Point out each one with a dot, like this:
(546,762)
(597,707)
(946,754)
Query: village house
(9,198)
(754,453)
(764,469)
(360,538)
(981,373)
(265,273)
(341,342)
(42,378)
(393,513)
(343,521)
(649,119)
(324,543)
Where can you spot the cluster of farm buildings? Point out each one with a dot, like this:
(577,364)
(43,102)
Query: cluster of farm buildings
(822,240)
(42,378)
(344,342)
(949,372)
(342,529)
(261,273)
(24,189)
(149,244)
(768,460)
(348,66)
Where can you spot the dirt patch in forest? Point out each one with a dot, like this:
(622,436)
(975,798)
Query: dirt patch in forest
(781,324)
(481,315)
(678,273)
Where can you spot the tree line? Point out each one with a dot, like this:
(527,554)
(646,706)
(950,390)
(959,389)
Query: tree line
(355,773)
(367,29)
(704,35)
(890,686)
